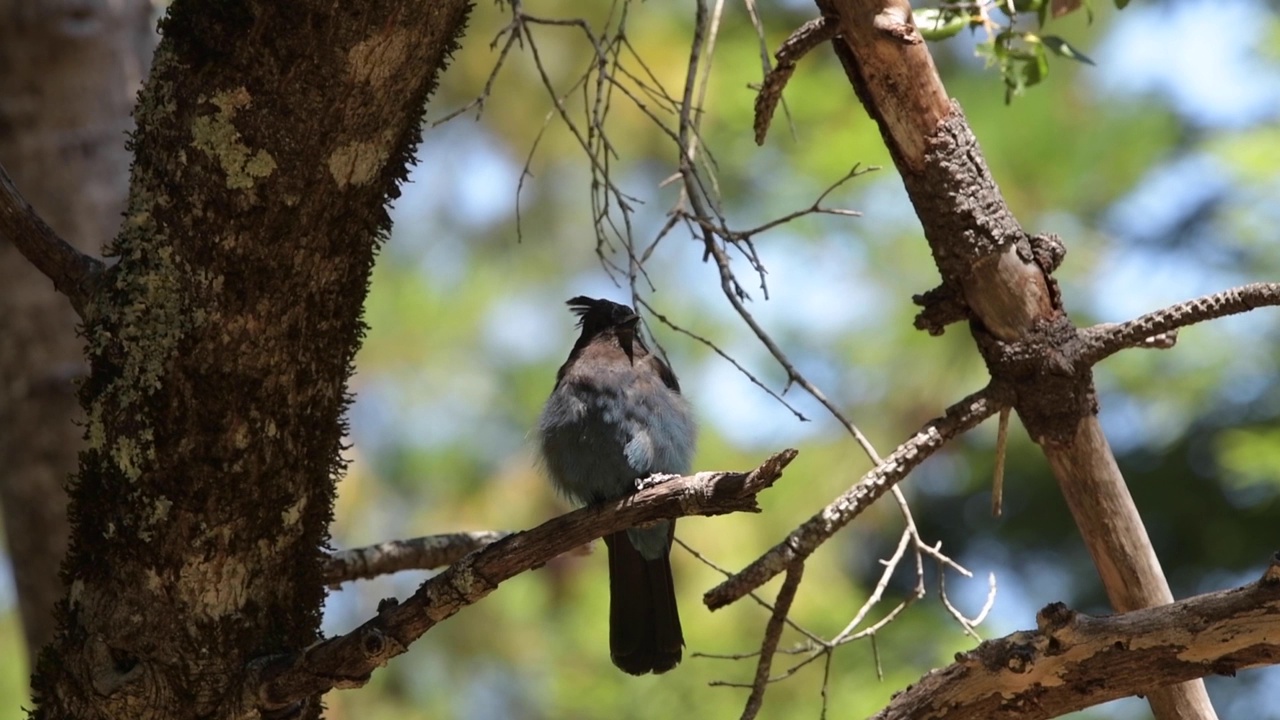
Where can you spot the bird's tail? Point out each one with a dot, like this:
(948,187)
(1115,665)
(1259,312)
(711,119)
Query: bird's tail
(644,623)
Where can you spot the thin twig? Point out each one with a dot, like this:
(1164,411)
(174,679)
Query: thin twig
(772,634)
(801,542)
(421,553)
(1002,448)
(717,350)
(74,274)
(813,637)
(1105,340)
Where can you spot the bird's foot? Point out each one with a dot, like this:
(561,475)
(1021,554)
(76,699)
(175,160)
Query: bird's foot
(654,480)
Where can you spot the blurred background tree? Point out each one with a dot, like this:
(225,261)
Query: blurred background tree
(1159,169)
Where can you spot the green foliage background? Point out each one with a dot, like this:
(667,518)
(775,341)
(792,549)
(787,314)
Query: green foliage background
(467,327)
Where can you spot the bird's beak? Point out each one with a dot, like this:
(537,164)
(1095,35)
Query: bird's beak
(627,335)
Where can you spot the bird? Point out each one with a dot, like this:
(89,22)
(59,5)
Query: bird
(616,415)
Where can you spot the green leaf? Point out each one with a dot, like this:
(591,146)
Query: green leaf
(1035,68)
(1121,4)
(995,53)
(936,24)
(1064,48)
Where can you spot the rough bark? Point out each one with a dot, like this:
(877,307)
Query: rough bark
(1073,661)
(270,138)
(68,77)
(997,275)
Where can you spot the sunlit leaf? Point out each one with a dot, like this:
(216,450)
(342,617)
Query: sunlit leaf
(1036,67)
(935,24)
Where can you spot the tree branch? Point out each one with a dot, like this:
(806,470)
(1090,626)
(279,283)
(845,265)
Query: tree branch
(73,273)
(348,660)
(420,553)
(800,544)
(772,634)
(1003,277)
(1105,340)
(797,45)
(1074,661)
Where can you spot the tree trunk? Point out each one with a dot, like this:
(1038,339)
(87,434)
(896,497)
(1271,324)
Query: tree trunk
(270,138)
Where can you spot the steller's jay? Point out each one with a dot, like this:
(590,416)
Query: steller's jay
(616,415)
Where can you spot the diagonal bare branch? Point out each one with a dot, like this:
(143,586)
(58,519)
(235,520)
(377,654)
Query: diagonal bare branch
(73,273)
(959,418)
(1107,339)
(421,553)
(772,634)
(805,38)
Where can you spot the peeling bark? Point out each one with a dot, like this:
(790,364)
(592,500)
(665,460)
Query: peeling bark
(1073,661)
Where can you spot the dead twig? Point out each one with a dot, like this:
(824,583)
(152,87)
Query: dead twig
(801,542)
(74,274)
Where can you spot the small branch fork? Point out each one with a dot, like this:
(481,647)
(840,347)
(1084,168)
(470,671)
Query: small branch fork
(1158,329)
(280,683)
(800,544)
(1100,341)
(73,273)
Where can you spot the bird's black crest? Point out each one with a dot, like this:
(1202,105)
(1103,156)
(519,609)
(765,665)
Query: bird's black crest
(600,312)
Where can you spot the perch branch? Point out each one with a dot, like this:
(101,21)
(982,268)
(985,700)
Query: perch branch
(347,661)
(73,273)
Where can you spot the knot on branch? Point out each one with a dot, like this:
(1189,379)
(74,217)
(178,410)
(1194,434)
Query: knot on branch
(1015,653)
(942,306)
(1047,251)
(897,24)
(1049,373)
(374,643)
(1054,616)
(1272,574)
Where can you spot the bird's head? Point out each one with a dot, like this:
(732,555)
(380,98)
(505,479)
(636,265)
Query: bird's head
(598,316)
